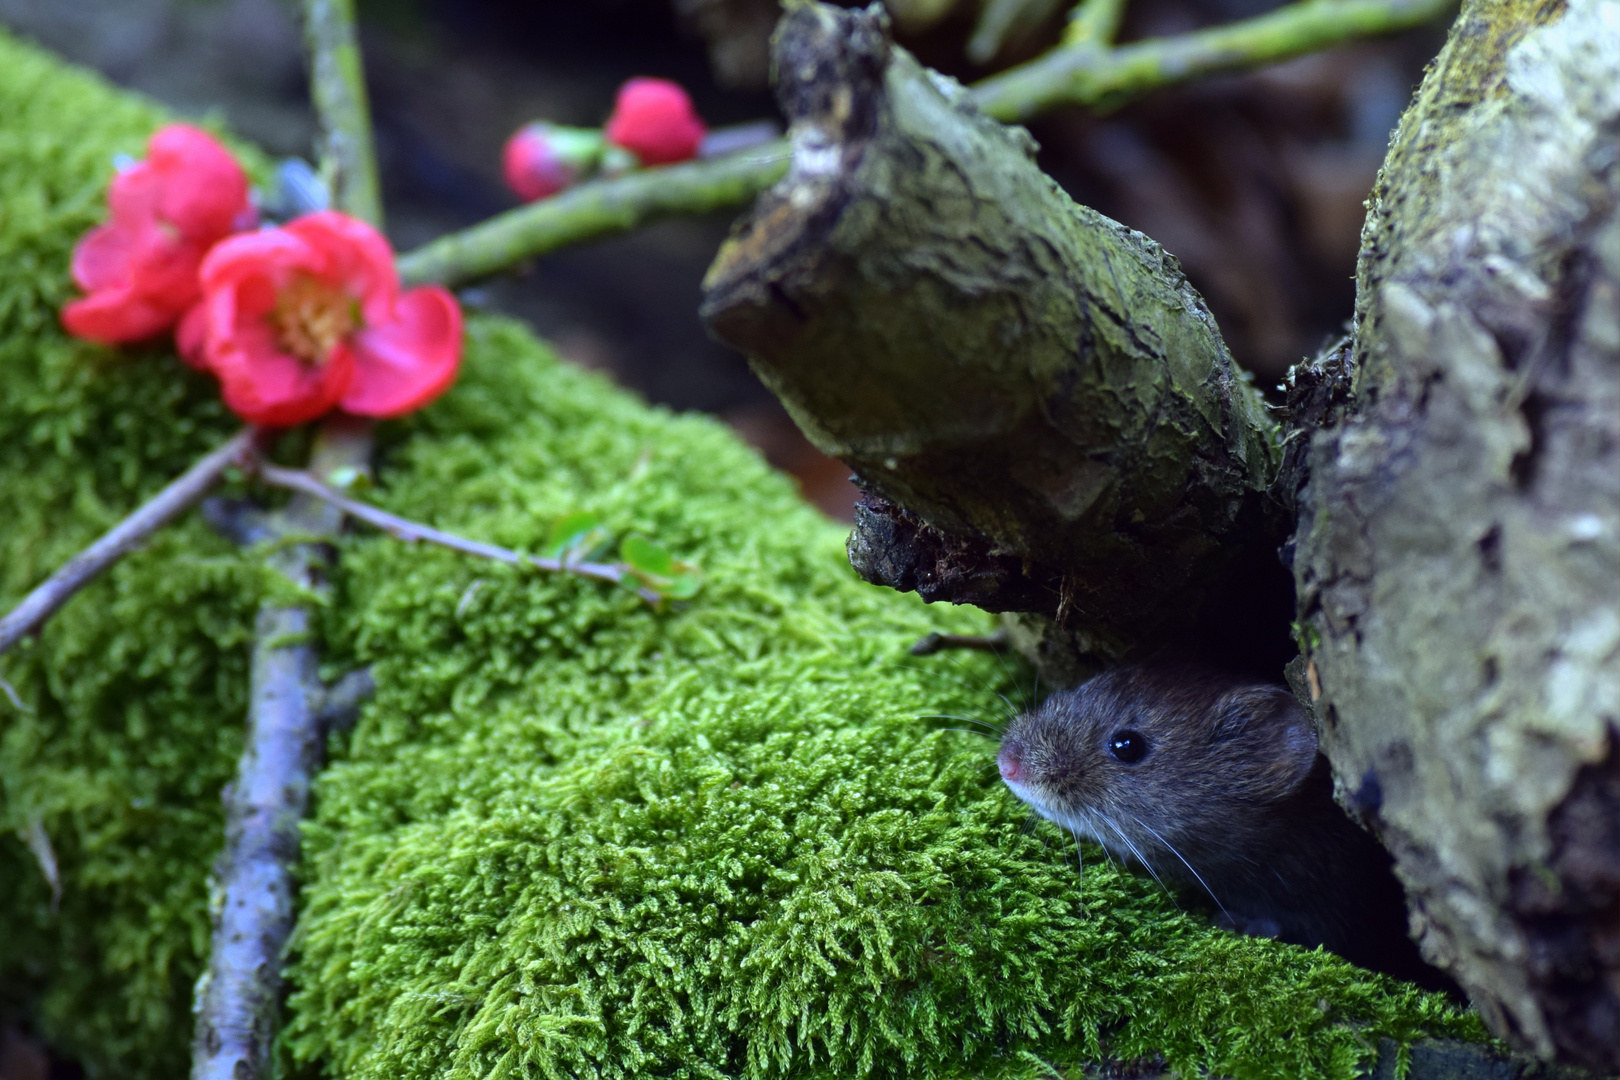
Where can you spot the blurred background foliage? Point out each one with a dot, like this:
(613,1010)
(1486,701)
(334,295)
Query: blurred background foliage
(1255,182)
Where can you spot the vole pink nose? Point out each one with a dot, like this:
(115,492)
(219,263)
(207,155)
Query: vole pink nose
(1011,767)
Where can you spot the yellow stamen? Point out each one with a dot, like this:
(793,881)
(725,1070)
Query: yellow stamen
(310,318)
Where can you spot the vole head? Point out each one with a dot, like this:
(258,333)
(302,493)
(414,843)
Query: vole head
(1152,758)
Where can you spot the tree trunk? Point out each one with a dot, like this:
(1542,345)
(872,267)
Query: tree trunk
(1046,423)
(1460,534)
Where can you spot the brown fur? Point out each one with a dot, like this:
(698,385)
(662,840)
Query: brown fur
(1230,803)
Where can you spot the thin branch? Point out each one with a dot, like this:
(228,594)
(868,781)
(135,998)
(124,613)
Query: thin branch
(593,209)
(239,997)
(411,531)
(1094,22)
(934,642)
(124,537)
(1080,73)
(338,86)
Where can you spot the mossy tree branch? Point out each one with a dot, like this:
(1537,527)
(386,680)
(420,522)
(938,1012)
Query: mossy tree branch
(338,87)
(1460,529)
(1083,71)
(595,209)
(1038,404)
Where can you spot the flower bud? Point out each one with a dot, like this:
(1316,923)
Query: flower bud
(654,119)
(542,159)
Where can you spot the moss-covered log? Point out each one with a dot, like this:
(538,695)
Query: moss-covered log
(1036,386)
(1460,534)
(570,835)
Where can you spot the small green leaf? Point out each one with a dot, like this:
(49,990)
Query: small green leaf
(684,584)
(575,537)
(646,557)
(353,478)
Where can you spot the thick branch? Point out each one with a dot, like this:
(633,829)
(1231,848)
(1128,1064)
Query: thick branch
(1081,73)
(593,209)
(1036,399)
(338,87)
(1459,531)
(124,537)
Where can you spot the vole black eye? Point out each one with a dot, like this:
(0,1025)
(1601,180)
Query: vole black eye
(1128,746)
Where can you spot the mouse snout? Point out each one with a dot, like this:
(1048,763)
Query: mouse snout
(1010,763)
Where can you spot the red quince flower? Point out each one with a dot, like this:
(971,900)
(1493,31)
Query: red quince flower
(654,119)
(309,317)
(542,159)
(140,268)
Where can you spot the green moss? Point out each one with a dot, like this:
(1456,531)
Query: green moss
(137,687)
(570,836)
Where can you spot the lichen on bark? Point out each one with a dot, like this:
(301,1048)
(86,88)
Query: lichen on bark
(1459,534)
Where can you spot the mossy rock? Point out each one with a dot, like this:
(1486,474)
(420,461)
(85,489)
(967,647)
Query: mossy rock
(570,836)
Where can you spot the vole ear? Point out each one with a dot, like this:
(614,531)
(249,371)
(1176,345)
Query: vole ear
(1272,725)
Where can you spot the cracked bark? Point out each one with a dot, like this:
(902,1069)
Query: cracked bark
(1459,534)
(1039,406)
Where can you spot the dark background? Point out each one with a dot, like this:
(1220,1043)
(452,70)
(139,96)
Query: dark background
(1255,182)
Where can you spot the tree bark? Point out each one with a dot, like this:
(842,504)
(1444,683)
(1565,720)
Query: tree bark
(1039,407)
(1460,533)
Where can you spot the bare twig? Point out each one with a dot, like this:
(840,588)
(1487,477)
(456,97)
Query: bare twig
(929,644)
(340,705)
(239,997)
(411,531)
(124,537)
(1094,21)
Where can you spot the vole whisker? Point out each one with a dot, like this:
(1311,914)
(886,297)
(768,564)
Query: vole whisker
(964,684)
(984,683)
(1154,874)
(975,732)
(985,724)
(1172,849)
(1091,830)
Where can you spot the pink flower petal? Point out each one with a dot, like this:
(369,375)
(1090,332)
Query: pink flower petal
(263,385)
(191,337)
(114,316)
(356,257)
(102,257)
(410,360)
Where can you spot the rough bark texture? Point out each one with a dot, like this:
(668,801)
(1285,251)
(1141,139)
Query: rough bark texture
(1460,534)
(1038,404)
(239,998)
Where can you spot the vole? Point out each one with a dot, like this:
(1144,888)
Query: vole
(1214,785)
